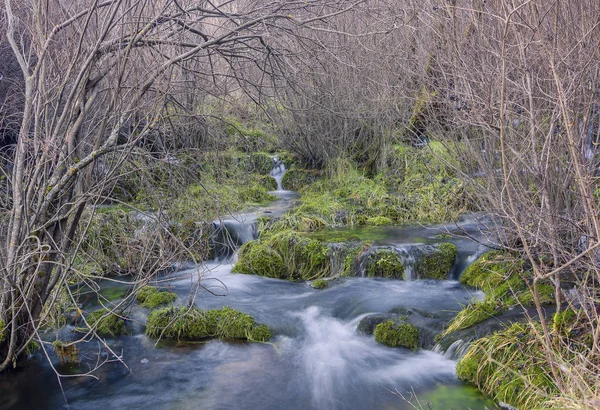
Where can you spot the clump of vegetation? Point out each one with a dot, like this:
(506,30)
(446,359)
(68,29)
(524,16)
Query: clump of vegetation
(67,352)
(511,367)
(384,263)
(296,179)
(378,221)
(305,258)
(438,264)
(195,324)
(106,323)
(320,283)
(150,297)
(397,333)
(505,283)
(564,322)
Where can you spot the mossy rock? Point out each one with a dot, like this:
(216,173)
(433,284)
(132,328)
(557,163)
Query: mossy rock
(367,325)
(384,263)
(257,258)
(296,179)
(437,264)
(106,323)
(320,284)
(195,324)
(255,192)
(491,269)
(150,297)
(397,333)
(305,258)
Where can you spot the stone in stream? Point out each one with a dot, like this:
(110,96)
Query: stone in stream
(408,262)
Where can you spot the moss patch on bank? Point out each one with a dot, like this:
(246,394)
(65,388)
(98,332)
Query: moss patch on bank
(511,367)
(506,283)
(195,324)
(2,331)
(397,333)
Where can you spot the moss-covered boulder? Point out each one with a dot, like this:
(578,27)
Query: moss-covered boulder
(397,333)
(367,325)
(383,263)
(438,263)
(257,258)
(106,323)
(305,258)
(150,297)
(195,324)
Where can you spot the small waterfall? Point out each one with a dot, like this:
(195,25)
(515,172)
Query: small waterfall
(455,351)
(278,172)
(229,234)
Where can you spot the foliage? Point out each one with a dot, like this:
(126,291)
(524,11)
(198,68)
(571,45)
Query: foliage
(194,324)
(397,333)
(106,323)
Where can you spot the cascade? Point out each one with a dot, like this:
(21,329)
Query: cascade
(229,234)
(278,172)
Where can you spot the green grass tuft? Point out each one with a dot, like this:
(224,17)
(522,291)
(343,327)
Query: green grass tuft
(195,324)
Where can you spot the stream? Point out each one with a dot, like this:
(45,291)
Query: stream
(316,359)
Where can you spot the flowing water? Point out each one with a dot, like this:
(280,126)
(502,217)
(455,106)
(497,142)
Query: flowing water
(316,360)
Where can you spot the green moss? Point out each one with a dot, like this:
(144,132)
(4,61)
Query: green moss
(159,298)
(195,324)
(397,333)
(305,258)
(384,263)
(145,292)
(320,284)
(66,352)
(564,321)
(487,272)
(510,366)
(506,285)
(257,258)
(106,323)
(378,221)
(254,192)
(437,265)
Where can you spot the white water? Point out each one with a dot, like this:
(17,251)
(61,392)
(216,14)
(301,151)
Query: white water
(278,172)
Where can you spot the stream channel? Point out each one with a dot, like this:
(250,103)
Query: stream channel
(316,360)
